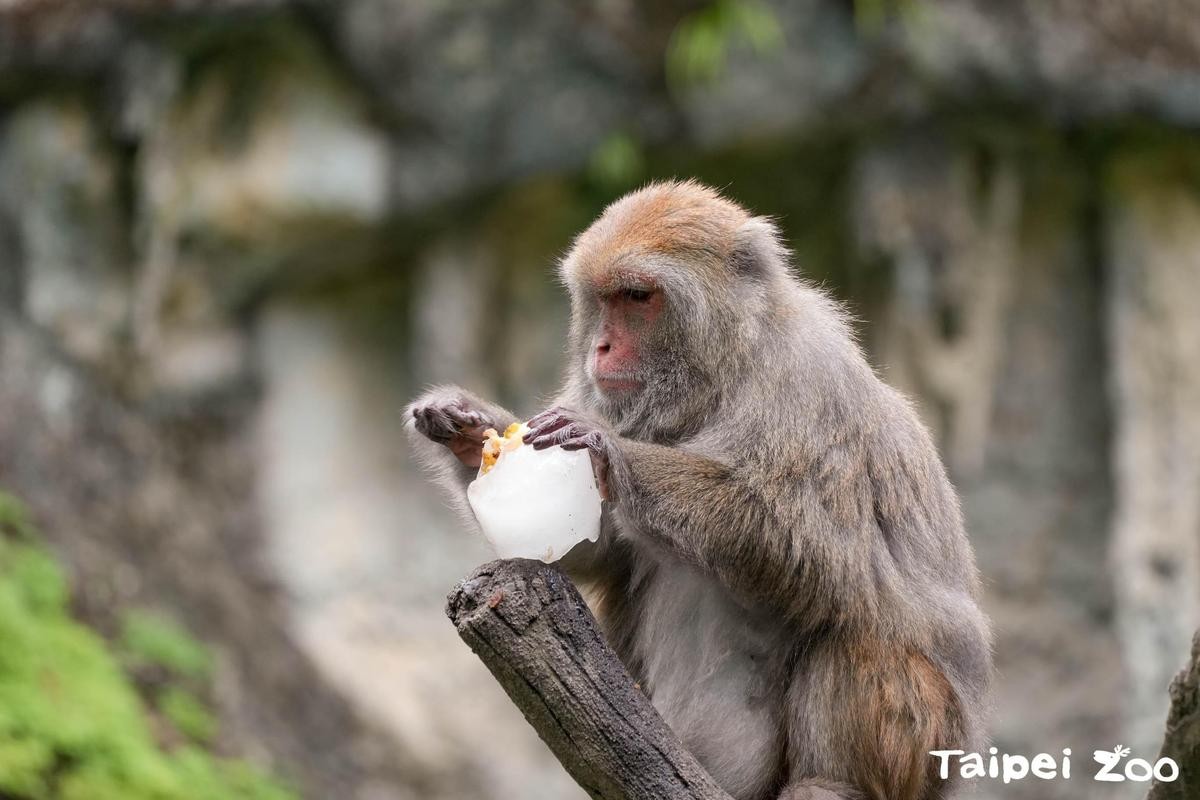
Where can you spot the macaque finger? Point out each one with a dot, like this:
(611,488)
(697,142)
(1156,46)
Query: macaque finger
(546,418)
(551,439)
(537,420)
(547,427)
(432,424)
(465,420)
(552,418)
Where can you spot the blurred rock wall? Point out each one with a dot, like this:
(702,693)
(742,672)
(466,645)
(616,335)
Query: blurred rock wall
(235,239)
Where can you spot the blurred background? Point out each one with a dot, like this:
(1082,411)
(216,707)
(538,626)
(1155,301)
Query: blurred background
(236,237)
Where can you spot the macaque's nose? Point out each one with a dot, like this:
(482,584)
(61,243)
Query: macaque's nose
(604,354)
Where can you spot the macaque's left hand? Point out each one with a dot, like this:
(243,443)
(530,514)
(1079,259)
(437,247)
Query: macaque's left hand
(570,430)
(452,417)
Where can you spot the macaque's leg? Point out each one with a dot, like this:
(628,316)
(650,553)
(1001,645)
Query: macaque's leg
(877,710)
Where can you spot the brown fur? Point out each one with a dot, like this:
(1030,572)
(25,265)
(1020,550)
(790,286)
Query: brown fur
(907,708)
(686,220)
(782,564)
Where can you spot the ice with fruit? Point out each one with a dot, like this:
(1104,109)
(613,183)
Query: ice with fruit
(534,503)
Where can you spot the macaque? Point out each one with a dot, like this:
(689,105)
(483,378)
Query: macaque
(782,562)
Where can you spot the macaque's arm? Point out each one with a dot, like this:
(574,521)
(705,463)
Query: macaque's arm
(770,539)
(774,540)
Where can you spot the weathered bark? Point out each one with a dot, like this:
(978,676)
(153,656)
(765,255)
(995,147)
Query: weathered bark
(1182,741)
(529,625)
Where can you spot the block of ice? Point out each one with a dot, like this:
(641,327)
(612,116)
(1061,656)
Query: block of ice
(537,503)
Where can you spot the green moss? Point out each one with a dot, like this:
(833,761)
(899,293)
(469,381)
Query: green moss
(187,714)
(13,518)
(148,638)
(24,765)
(71,722)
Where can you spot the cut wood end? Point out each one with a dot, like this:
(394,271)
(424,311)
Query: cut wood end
(489,586)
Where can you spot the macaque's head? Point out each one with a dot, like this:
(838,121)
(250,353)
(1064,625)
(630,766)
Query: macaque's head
(667,289)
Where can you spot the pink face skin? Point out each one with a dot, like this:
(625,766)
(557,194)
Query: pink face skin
(626,315)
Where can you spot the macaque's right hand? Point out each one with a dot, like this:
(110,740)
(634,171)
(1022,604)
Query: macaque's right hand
(450,417)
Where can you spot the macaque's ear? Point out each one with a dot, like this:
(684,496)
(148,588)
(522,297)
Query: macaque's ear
(757,249)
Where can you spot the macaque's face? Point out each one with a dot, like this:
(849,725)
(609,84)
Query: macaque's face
(649,282)
(622,342)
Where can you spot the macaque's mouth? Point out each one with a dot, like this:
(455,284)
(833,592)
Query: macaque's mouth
(617,383)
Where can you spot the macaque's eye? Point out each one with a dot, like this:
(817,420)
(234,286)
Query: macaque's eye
(638,295)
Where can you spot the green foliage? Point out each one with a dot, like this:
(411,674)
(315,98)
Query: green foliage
(72,726)
(187,714)
(14,519)
(148,638)
(617,162)
(871,16)
(700,44)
